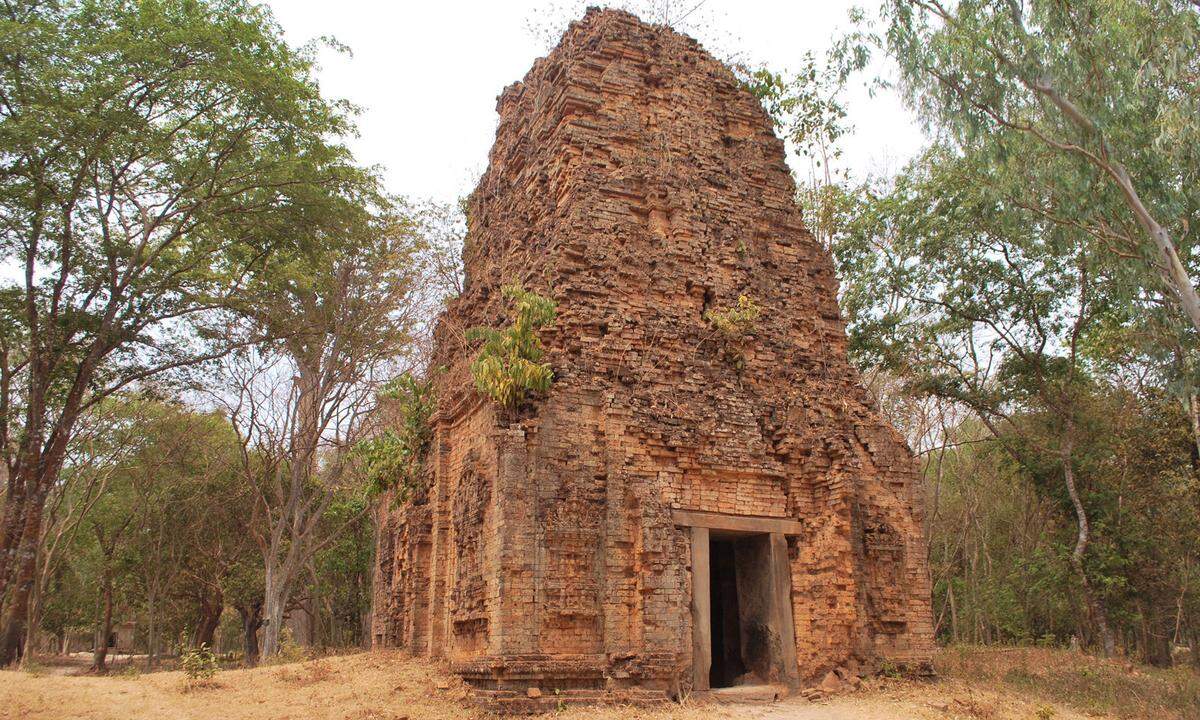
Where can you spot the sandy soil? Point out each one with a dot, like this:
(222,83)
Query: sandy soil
(392,686)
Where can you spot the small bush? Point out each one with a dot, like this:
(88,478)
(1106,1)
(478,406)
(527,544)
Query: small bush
(392,459)
(509,364)
(199,664)
(736,326)
(290,651)
(736,323)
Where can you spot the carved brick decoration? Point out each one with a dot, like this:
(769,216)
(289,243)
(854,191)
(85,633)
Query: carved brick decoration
(635,182)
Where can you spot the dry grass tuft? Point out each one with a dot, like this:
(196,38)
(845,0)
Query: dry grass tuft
(305,673)
(190,685)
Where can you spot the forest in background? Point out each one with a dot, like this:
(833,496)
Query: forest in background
(209,298)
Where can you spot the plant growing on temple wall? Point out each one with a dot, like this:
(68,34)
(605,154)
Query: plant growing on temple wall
(735,326)
(509,364)
(392,459)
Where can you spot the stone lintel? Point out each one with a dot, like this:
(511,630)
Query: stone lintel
(735,523)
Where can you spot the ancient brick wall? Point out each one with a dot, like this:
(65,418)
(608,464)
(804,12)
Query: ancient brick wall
(639,185)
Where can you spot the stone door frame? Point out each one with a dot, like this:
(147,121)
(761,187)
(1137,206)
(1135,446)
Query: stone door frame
(701,525)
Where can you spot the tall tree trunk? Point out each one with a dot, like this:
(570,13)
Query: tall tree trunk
(104,631)
(251,621)
(953,611)
(21,588)
(1194,417)
(33,620)
(152,627)
(1094,605)
(275,598)
(293,529)
(210,618)
(15,505)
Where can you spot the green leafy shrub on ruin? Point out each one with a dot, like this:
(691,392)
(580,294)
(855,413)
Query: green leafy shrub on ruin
(392,459)
(736,326)
(509,364)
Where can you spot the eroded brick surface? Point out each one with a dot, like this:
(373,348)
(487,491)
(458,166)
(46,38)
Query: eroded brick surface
(635,182)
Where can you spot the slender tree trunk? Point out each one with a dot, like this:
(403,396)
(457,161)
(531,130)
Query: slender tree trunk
(151,629)
(1095,606)
(251,622)
(1194,416)
(100,651)
(275,601)
(33,620)
(953,611)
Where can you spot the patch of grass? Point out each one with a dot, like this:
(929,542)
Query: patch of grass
(307,673)
(1089,684)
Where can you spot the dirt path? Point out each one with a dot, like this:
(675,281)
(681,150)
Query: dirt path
(392,686)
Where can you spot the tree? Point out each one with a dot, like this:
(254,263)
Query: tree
(182,483)
(344,312)
(508,366)
(1110,87)
(1104,95)
(104,436)
(985,306)
(146,144)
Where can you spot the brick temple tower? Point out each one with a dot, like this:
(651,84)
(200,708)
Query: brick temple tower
(667,516)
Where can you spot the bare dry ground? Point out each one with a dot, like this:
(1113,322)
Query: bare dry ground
(1012,684)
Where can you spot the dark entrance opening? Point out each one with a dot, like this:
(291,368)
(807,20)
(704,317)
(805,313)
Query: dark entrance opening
(727,664)
(746,642)
(742,632)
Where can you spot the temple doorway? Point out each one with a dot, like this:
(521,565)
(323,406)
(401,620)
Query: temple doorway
(741,601)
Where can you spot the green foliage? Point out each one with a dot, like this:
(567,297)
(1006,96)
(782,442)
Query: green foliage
(804,106)
(158,155)
(1002,532)
(342,582)
(1004,278)
(509,364)
(1048,108)
(737,322)
(199,664)
(735,326)
(392,459)
(290,651)
(151,149)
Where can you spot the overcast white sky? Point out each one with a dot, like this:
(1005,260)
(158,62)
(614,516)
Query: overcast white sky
(426,74)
